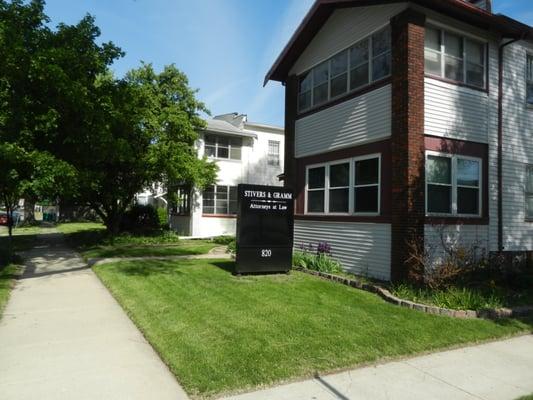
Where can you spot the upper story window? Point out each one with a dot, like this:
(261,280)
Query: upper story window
(454,57)
(273,153)
(453,185)
(223,147)
(529,80)
(344,187)
(220,200)
(529,192)
(367,61)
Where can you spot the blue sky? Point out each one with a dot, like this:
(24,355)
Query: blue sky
(224,46)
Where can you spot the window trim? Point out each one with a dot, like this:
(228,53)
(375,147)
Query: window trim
(228,197)
(454,185)
(274,156)
(351,188)
(328,60)
(529,170)
(229,137)
(529,55)
(442,29)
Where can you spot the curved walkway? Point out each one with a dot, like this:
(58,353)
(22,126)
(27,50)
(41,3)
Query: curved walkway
(63,336)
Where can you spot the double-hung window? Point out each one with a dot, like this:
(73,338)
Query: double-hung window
(220,200)
(344,187)
(224,147)
(454,57)
(529,192)
(367,61)
(529,80)
(273,153)
(453,185)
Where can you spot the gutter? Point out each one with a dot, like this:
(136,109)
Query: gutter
(500,139)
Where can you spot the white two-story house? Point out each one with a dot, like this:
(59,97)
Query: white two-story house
(404,120)
(245,152)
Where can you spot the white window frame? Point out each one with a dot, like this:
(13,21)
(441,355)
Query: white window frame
(228,197)
(217,137)
(442,30)
(454,185)
(529,170)
(368,38)
(274,159)
(351,188)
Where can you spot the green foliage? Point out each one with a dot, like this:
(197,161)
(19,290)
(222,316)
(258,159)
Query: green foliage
(162,214)
(140,218)
(274,328)
(8,274)
(317,262)
(224,239)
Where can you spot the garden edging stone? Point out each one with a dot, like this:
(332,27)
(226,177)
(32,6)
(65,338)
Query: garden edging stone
(490,313)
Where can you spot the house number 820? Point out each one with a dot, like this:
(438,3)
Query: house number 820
(266,253)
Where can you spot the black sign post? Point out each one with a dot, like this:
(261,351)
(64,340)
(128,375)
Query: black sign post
(264,229)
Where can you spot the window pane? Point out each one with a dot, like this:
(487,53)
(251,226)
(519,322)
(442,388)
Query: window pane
(235,153)
(339,63)
(339,175)
(210,140)
(530,93)
(233,207)
(223,141)
(235,142)
(320,94)
(529,206)
(439,199)
(381,66)
(359,53)
(233,193)
(222,207)
(317,177)
(339,85)
(315,201)
(222,191)
(439,170)
(453,45)
(208,202)
(467,172)
(305,82)
(475,75)
(453,68)
(321,74)
(359,76)
(529,178)
(209,192)
(475,52)
(381,42)
(366,199)
(208,210)
(366,171)
(467,201)
(210,151)
(304,101)
(223,152)
(338,200)
(529,68)
(432,39)
(433,62)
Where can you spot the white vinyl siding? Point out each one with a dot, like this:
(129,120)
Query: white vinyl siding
(366,118)
(344,27)
(361,248)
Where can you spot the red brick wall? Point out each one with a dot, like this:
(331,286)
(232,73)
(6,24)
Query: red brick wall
(407,141)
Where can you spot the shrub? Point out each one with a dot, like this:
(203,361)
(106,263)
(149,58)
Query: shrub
(140,218)
(320,260)
(162,215)
(232,246)
(224,239)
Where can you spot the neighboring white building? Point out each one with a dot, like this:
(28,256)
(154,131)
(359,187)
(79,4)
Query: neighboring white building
(245,152)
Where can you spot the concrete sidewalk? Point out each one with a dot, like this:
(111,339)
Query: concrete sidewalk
(63,336)
(496,371)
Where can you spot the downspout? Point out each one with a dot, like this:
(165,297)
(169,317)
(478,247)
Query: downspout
(500,140)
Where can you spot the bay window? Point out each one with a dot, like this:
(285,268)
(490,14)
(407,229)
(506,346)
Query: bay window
(455,57)
(367,61)
(344,187)
(453,185)
(220,200)
(529,192)
(224,147)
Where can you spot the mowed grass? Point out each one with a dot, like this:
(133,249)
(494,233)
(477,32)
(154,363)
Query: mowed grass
(219,333)
(92,241)
(8,274)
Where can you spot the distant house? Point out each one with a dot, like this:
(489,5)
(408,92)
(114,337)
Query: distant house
(245,152)
(404,117)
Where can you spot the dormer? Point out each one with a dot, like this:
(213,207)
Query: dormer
(483,4)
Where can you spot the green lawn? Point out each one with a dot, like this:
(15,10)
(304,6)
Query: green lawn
(91,240)
(219,333)
(530,397)
(7,280)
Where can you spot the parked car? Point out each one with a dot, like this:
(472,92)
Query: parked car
(3,219)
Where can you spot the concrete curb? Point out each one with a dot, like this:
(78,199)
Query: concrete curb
(490,313)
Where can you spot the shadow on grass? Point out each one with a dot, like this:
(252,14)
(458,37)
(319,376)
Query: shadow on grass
(527,320)
(148,268)
(228,266)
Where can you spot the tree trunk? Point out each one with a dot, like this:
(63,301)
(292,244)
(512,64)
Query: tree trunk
(29,210)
